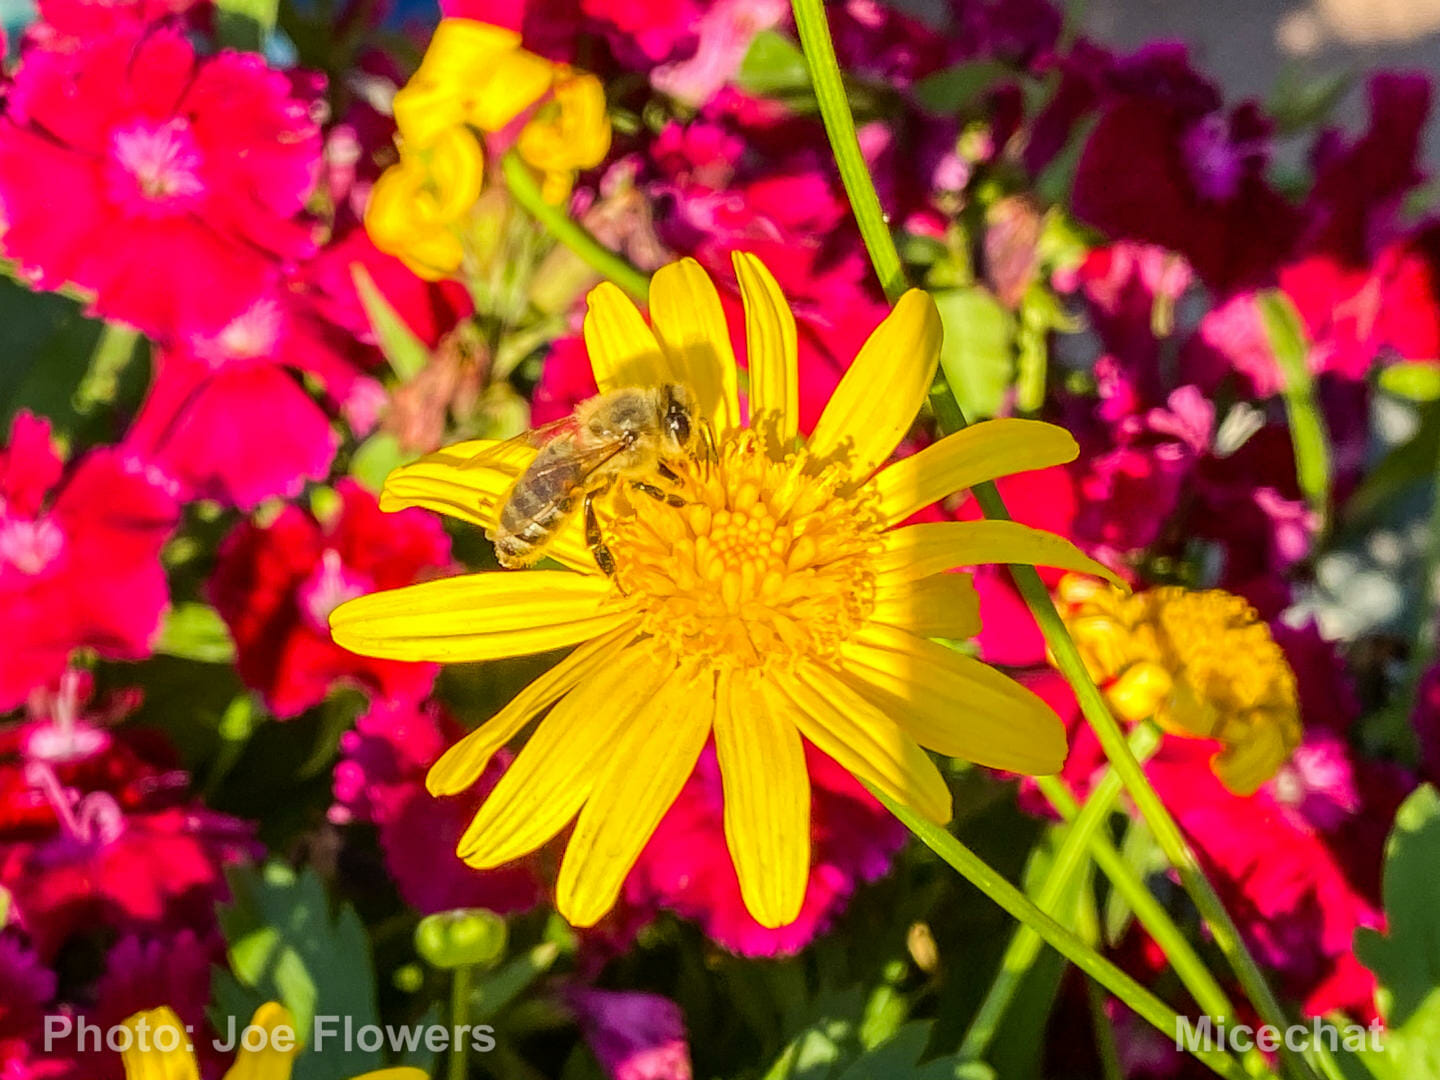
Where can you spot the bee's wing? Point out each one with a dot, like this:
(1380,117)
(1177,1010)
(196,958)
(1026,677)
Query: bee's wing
(514,450)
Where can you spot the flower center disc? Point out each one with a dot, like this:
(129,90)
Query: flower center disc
(767,563)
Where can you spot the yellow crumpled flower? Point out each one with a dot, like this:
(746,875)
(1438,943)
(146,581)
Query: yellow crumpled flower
(416,206)
(570,132)
(476,78)
(1201,664)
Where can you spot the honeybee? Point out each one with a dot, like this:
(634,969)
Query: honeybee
(625,435)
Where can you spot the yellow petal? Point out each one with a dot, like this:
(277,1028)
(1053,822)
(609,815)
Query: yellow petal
(515,82)
(971,456)
(144,1060)
(690,323)
(647,766)
(269,1062)
(399,1072)
(767,802)
(770,345)
(479,616)
(471,481)
(1246,764)
(623,351)
(846,726)
(554,773)
(462,764)
(954,704)
(941,605)
(917,551)
(878,397)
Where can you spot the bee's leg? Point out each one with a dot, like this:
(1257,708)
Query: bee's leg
(668,498)
(669,474)
(595,539)
(707,437)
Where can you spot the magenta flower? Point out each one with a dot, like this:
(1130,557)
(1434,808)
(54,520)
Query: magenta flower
(79,557)
(634,1036)
(380,781)
(182,179)
(276,584)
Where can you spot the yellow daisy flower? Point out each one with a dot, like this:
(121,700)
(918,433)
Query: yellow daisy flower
(158,1048)
(1200,664)
(783,602)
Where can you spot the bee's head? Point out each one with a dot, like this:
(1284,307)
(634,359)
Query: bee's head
(677,418)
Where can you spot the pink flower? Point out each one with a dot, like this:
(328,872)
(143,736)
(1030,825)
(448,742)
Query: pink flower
(380,780)
(79,557)
(725,30)
(181,179)
(635,1036)
(686,867)
(276,584)
(67,25)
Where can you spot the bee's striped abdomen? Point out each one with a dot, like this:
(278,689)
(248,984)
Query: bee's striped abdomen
(538,505)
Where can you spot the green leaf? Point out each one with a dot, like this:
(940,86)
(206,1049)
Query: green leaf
(112,354)
(246,24)
(1303,100)
(900,1056)
(406,353)
(952,89)
(1406,465)
(195,631)
(376,458)
(977,354)
(1414,380)
(773,66)
(1286,333)
(286,945)
(1406,958)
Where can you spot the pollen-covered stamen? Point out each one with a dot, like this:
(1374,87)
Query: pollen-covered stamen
(763,565)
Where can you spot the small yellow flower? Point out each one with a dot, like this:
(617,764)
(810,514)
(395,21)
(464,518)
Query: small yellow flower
(159,1049)
(473,74)
(570,132)
(417,208)
(1201,664)
(783,602)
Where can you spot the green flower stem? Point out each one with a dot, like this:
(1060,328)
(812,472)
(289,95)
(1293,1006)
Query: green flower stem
(522,185)
(1070,861)
(461,988)
(840,126)
(1185,961)
(984,877)
(819,52)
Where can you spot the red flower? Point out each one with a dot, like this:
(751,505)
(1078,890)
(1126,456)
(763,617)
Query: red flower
(182,179)
(276,584)
(1166,165)
(79,557)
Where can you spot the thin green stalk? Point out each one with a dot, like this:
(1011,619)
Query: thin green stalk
(1184,960)
(840,126)
(985,878)
(1025,944)
(522,185)
(1110,1067)
(461,987)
